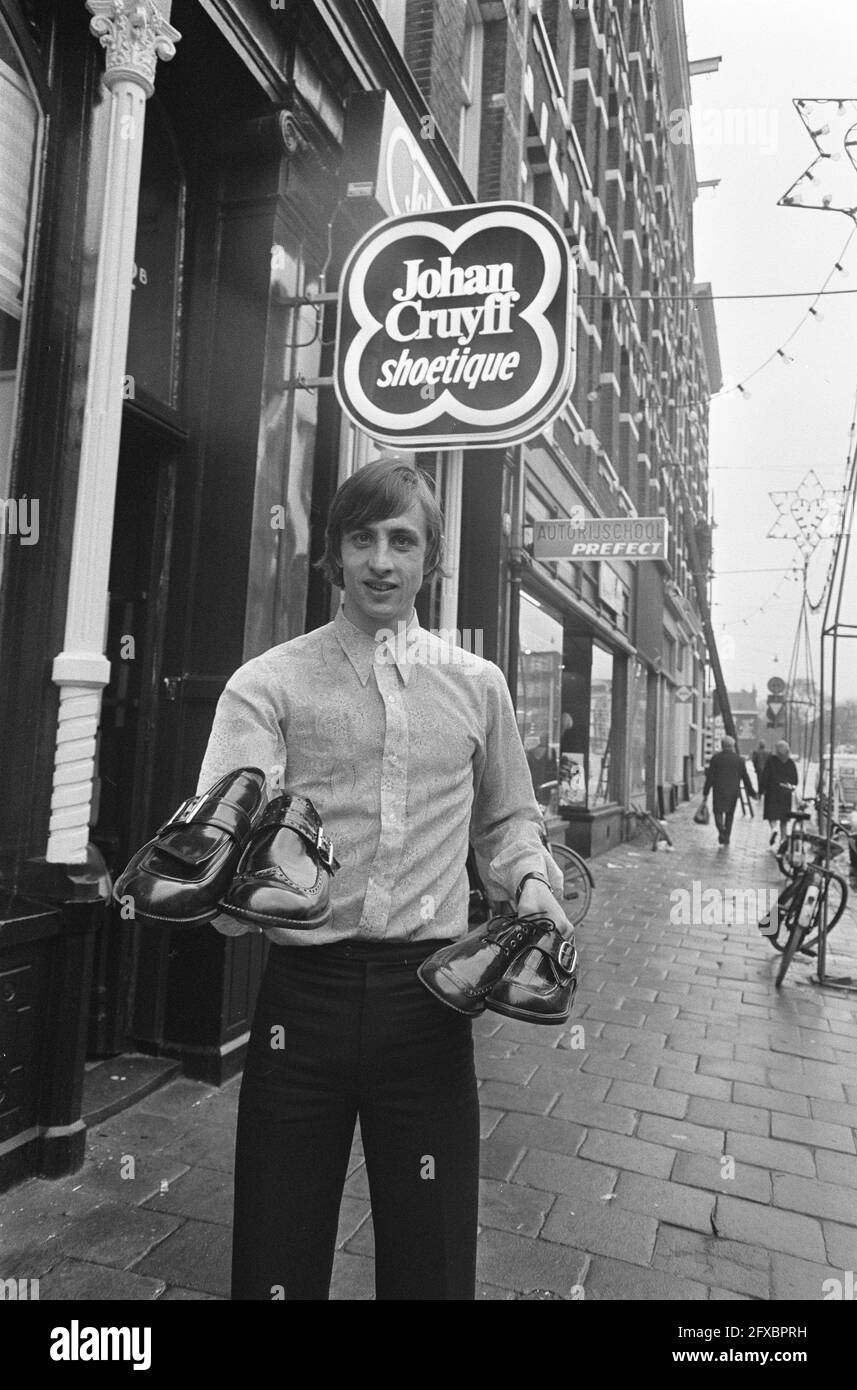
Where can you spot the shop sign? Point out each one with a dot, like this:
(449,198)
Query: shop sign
(595,538)
(456,328)
(383,160)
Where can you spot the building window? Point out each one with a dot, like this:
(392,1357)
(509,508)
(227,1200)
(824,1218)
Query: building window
(20,134)
(601,728)
(637,729)
(540,694)
(154,331)
(471,95)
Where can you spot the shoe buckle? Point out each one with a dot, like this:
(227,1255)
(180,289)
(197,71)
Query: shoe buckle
(567,956)
(185,811)
(324,846)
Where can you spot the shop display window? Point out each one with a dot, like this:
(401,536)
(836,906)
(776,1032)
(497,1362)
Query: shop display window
(20,131)
(601,728)
(637,731)
(154,331)
(279,555)
(540,664)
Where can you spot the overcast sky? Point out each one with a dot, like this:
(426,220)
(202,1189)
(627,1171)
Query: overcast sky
(748,134)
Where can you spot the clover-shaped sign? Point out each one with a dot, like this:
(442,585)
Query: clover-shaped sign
(456,327)
(807,515)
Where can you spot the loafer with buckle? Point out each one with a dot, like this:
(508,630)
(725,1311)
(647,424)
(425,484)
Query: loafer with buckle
(178,876)
(283,876)
(540,984)
(464,973)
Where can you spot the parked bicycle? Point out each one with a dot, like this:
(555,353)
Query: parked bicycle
(578,883)
(654,828)
(805,844)
(800,913)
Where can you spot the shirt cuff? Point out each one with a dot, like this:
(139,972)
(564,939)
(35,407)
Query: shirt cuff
(508,868)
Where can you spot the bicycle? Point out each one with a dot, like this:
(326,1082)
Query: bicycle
(803,846)
(799,914)
(577,878)
(657,829)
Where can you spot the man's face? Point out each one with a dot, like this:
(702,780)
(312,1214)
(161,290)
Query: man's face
(382,568)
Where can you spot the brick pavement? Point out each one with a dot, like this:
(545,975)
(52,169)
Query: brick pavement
(690,1134)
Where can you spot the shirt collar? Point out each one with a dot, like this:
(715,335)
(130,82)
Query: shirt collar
(398,647)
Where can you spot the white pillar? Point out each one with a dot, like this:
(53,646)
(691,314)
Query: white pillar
(134,34)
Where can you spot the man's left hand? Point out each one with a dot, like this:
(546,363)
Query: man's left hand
(537,897)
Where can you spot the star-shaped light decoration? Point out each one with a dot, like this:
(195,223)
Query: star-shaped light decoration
(830,182)
(807,515)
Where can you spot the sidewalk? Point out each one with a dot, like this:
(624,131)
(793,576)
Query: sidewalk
(690,1134)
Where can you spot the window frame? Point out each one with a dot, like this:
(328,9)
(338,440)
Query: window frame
(33,80)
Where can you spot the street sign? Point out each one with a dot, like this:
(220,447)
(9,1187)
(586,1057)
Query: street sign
(683,693)
(775,710)
(598,537)
(456,327)
(776,686)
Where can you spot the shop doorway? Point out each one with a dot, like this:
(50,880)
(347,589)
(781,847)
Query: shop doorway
(138,592)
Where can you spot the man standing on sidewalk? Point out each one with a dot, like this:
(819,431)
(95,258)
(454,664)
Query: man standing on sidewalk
(724,775)
(406,746)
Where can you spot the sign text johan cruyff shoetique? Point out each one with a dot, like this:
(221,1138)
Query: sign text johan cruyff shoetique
(456,327)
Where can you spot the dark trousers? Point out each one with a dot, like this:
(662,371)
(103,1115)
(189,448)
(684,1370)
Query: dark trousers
(339,1032)
(723,820)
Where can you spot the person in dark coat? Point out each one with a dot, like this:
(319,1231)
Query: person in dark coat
(778,777)
(723,776)
(759,756)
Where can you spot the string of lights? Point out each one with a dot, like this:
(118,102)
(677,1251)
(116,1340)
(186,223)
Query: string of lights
(814,607)
(812,312)
(789,577)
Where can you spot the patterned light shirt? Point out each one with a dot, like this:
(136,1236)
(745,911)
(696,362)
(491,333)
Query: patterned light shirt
(406,747)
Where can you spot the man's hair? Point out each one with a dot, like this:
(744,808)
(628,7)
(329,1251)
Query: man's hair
(727,741)
(385,487)
(783,747)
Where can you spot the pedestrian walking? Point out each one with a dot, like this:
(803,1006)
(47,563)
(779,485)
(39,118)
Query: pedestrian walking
(759,757)
(404,748)
(779,778)
(723,777)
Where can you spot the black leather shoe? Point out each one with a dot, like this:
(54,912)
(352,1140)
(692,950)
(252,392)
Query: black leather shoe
(283,877)
(464,973)
(540,984)
(178,876)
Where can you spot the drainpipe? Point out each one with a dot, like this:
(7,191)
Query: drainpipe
(134,34)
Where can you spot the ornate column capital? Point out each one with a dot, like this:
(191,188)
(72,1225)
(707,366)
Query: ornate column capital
(134,35)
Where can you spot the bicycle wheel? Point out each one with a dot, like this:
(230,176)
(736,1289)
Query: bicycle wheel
(577,884)
(791,855)
(837,900)
(779,937)
(796,931)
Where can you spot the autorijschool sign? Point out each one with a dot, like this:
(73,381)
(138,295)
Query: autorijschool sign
(456,327)
(601,538)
